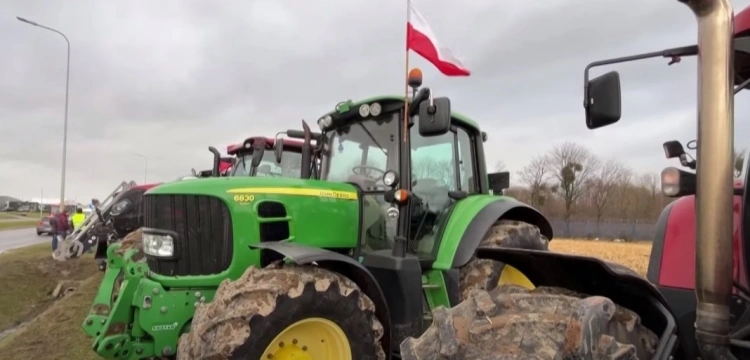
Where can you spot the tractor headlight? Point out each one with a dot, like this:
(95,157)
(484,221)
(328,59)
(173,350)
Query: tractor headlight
(118,208)
(670,181)
(675,182)
(390,178)
(375,109)
(159,245)
(364,110)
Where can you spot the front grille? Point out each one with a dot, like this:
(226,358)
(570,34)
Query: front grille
(204,228)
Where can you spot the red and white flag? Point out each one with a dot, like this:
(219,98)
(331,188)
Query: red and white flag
(421,39)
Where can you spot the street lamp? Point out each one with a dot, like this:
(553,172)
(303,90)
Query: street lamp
(145,166)
(65,124)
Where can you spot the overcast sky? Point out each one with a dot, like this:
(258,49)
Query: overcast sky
(168,78)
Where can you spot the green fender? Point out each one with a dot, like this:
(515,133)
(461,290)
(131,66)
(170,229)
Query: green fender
(472,217)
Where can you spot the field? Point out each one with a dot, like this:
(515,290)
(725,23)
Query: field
(51,328)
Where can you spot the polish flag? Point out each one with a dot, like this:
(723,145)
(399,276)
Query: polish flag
(421,39)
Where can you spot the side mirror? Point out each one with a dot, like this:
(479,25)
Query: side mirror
(278,149)
(673,149)
(259,148)
(603,100)
(499,181)
(435,117)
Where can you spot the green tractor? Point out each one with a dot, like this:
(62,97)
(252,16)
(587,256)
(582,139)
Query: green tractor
(344,265)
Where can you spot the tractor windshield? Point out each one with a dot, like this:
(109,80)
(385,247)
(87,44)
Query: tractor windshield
(362,151)
(290,165)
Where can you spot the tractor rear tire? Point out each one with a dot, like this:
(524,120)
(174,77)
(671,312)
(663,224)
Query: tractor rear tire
(514,323)
(482,274)
(258,316)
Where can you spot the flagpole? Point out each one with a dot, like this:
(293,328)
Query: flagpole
(406,73)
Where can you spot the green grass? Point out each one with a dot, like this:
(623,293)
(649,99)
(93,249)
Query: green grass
(56,333)
(20,224)
(28,276)
(16,215)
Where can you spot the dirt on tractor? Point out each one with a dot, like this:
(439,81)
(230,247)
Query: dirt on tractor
(35,282)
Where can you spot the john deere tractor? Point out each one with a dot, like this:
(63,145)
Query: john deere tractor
(345,266)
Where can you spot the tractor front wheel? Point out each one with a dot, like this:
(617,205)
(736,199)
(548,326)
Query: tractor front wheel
(483,274)
(514,323)
(289,312)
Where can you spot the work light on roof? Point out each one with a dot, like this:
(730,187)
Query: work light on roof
(375,109)
(364,110)
(325,122)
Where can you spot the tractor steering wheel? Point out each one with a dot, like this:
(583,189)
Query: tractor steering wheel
(367,167)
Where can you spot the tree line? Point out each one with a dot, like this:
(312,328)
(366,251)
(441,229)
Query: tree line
(570,182)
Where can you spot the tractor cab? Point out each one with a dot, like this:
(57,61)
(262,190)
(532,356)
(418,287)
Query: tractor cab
(256,157)
(431,161)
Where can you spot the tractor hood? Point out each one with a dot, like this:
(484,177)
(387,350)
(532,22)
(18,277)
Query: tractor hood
(230,188)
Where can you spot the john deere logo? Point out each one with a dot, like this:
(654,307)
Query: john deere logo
(164,327)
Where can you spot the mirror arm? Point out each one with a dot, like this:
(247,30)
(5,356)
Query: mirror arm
(741,86)
(691,50)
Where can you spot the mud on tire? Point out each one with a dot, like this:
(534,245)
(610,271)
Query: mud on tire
(482,274)
(513,323)
(247,314)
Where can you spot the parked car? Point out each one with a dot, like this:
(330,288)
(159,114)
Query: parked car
(43,226)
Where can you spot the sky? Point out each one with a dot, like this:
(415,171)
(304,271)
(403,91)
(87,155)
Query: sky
(168,78)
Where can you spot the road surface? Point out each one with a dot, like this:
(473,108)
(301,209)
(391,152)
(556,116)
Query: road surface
(11,239)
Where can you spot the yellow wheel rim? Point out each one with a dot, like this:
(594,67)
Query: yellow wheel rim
(511,276)
(310,339)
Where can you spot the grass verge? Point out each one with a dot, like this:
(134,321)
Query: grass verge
(28,276)
(16,215)
(56,333)
(20,224)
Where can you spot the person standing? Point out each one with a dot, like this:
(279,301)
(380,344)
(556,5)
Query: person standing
(53,230)
(78,218)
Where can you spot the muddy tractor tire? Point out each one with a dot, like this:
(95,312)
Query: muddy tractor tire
(482,274)
(514,323)
(285,311)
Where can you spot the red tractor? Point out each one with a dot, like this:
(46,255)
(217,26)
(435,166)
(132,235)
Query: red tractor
(697,264)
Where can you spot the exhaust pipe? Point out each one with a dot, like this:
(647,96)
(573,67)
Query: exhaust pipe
(713,255)
(217,160)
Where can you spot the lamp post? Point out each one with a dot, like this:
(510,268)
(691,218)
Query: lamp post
(145,166)
(65,123)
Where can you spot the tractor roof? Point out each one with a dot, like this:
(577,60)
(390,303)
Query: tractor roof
(460,118)
(270,142)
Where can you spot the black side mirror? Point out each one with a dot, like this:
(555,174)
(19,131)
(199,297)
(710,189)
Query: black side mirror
(435,117)
(259,148)
(278,149)
(673,149)
(603,102)
(499,181)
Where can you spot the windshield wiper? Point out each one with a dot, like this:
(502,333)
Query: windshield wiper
(372,138)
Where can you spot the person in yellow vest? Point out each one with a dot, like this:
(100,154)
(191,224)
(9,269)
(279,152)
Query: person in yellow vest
(78,219)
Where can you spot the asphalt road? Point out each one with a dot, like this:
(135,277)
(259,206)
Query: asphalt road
(11,239)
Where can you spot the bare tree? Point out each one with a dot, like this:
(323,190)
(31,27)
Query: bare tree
(603,185)
(535,176)
(500,166)
(573,166)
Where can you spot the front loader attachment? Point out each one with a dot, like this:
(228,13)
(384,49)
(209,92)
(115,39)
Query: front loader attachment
(80,239)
